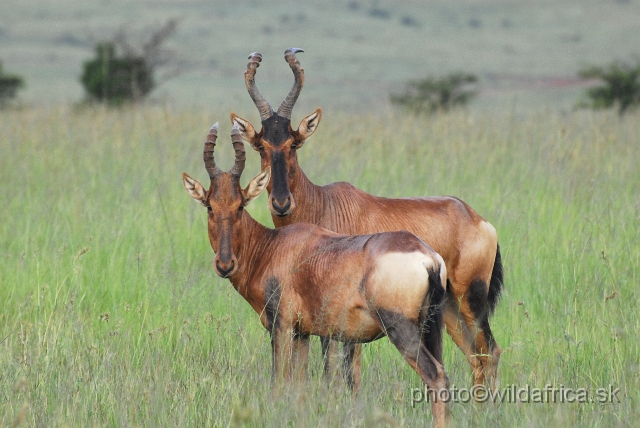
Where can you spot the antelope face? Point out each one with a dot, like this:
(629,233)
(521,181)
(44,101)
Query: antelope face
(277,142)
(225,202)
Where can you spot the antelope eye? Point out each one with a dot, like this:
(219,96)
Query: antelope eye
(260,148)
(209,208)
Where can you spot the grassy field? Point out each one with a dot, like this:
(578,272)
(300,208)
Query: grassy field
(357,51)
(112,315)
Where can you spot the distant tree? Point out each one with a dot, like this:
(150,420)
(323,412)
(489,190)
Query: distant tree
(9,85)
(621,87)
(125,70)
(116,79)
(431,94)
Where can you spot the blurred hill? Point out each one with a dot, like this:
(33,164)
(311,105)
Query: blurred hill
(357,51)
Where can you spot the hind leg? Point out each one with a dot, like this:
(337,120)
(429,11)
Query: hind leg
(469,314)
(478,319)
(350,362)
(406,337)
(456,326)
(493,359)
(351,365)
(330,357)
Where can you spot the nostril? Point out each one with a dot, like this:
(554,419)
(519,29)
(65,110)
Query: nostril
(226,268)
(282,205)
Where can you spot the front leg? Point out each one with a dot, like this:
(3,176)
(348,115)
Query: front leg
(300,354)
(281,352)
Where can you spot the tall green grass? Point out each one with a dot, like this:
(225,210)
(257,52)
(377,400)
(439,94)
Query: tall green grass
(112,315)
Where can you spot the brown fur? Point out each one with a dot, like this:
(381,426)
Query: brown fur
(468,244)
(303,280)
(459,234)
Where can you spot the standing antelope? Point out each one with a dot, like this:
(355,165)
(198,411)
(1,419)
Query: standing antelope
(468,243)
(304,280)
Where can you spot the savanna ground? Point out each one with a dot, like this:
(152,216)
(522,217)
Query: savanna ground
(112,314)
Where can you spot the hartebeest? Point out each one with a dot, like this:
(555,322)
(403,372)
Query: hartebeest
(468,243)
(304,280)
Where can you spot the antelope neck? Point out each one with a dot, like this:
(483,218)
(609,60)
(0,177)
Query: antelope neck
(256,239)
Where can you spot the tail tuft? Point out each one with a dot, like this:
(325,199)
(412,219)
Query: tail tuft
(433,321)
(496,284)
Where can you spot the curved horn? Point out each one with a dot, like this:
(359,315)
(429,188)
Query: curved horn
(209,145)
(249,79)
(238,146)
(287,104)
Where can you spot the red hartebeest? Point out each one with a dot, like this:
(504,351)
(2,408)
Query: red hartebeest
(468,243)
(304,280)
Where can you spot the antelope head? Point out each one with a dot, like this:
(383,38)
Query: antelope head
(225,200)
(277,142)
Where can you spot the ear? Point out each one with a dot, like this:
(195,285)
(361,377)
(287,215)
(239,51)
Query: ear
(194,189)
(246,130)
(256,186)
(309,125)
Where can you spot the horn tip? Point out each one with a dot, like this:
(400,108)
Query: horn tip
(257,55)
(235,130)
(214,130)
(294,50)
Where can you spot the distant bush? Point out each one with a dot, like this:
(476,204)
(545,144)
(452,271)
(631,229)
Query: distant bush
(116,79)
(9,85)
(621,86)
(380,13)
(125,71)
(431,94)
(409,21)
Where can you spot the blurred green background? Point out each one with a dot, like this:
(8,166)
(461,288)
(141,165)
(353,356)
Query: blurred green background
(357,51)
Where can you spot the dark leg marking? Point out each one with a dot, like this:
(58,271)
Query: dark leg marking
(325,342)
(405,335)
(272,302)
(477,298)
(347,364)
(488,334)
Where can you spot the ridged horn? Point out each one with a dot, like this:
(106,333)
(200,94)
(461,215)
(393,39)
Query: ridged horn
(238,146)
(249,79)
(207,155)
(287,104)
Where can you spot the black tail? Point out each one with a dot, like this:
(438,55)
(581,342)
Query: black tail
(433,321)
(496,284)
